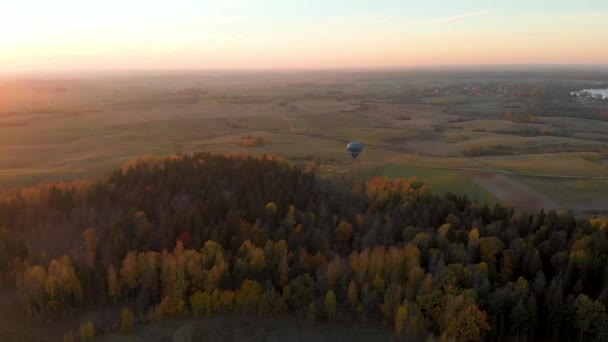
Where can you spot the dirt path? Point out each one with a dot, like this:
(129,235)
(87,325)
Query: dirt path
(511,192)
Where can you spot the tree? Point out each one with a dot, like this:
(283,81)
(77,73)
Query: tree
(62,281)
(113,283)
(226,300)
(334,271)
(519,316)
(147,270)
(271,304)
(126,321)
(489,248)
(400,320)
(330,305)
(90,246)
(200,302)
(248,296)
(87,331)
(299,293)
(344,232)
(353,294)
(470,324)
(311,312)
(68,337)
(392,300)
(34,280)
(128,272)
(272,207)
(587,312)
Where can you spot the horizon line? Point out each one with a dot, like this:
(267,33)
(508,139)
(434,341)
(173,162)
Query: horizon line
(539,65)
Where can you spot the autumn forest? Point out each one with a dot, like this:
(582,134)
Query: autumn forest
(207,234)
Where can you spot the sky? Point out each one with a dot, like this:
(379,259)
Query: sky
(55,35)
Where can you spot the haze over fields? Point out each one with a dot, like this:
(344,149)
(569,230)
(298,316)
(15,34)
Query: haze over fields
(497,136)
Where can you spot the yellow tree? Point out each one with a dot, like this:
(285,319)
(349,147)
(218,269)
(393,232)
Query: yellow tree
(200,302)
(126,320)
(62,281)
(192,261)
(463,320)
(68,337)
(392,299)
(33,284)
(248,296)
(226,300)
(400,320)
(489,249)
(334,271)
(330,305)
(212,258)
(147,270)
(87,331)
(173,273)
(353,294)
(128,272)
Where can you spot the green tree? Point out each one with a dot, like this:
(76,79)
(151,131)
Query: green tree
(344,232)
(587,312)
(271,304)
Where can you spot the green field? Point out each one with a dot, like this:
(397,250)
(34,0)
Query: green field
(443,181)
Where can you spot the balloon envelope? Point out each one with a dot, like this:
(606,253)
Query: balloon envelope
(354,148)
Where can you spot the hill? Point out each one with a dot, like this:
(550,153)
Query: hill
(210,234)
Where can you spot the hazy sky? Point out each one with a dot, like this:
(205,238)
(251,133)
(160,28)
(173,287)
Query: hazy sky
(244,34)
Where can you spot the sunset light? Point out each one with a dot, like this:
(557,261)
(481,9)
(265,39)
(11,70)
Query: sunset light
(222,34)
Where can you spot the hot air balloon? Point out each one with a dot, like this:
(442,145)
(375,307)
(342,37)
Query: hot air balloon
(354,148)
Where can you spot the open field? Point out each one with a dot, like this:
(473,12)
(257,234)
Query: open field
(60,128)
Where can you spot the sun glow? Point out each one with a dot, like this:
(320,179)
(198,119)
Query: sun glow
(269,34)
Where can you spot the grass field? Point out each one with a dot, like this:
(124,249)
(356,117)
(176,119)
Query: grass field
(443,181)
(98,124)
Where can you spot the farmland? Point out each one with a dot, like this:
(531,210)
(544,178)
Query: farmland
(451,131)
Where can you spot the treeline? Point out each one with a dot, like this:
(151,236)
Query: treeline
(206,234)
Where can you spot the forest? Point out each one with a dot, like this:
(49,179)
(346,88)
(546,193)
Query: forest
(204,234)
